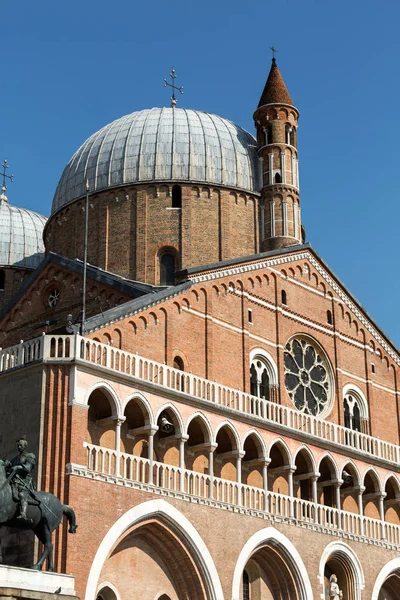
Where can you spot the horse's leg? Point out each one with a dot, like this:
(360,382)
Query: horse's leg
(44,535)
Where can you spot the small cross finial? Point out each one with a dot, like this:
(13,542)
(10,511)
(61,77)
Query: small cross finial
(4,174)
(173,86)
(274,50)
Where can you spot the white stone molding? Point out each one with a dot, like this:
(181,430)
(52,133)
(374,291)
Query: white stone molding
(386,571)
(355,391)
(259,439)
(232,429)
(175,411)
(290,554)
(352,560)
(205,422)
(332,461)
(142,399)
(280,441)
(266,358)
(116,406)
(107,584)
(144,511)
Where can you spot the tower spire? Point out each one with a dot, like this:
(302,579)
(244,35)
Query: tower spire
(275,90)
(276,121)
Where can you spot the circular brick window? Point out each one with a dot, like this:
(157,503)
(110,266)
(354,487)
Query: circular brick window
(308,377)
(53,297)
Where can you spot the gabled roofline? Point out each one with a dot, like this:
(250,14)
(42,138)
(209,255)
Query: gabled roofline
(210,271)
(128,309)
(120,284)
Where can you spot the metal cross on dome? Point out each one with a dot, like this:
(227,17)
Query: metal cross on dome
(173,86)
(4,174)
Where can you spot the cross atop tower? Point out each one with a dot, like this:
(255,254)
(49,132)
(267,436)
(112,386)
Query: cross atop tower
(4,174)
(173,86)
(274,50)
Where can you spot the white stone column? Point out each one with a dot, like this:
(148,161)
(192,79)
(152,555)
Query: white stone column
(314,491)
(272,216)
(182,441)
(283,167)
(213,446)
(239,456)
(338,484)
(118,445)
(291,470)
(271,168)
(293,182)
(285,217)
(361,490)
(265,482)
(152,433)
(382,497)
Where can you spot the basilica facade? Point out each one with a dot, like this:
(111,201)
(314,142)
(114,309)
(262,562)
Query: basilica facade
(225,418)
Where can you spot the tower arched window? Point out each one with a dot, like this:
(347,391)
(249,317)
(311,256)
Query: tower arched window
(355,412)
(288,132)
(246,585)
(2,279)
(329,319)
(167,268)
(284,297)
(177,196)
(277,178)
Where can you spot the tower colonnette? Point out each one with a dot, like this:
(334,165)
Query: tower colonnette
(276,121)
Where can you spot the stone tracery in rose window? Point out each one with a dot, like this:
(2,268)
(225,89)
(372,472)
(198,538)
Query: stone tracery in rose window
(307,377)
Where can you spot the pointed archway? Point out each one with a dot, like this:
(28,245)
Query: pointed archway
(273,566)
(157,534)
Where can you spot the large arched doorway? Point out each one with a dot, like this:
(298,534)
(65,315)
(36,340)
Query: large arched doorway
(387,584)
(340,566)
(269,567)
(155,538)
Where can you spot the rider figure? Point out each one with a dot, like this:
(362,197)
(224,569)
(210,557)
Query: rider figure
(21,482)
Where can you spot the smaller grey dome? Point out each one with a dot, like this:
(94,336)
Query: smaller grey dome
(21,236)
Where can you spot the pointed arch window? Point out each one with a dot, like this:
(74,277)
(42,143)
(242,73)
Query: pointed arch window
(355,412)
(288,131)
(277,178)
(260,379)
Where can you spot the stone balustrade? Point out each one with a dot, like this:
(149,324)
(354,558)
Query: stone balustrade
(68,348)
(127,467)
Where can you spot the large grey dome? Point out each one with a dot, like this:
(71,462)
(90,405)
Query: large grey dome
(162,144)
(21,236)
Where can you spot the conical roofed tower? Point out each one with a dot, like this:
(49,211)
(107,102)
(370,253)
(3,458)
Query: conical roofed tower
(276,121)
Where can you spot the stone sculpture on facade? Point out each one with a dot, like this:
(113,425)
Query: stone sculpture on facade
(334,592)
(23,507)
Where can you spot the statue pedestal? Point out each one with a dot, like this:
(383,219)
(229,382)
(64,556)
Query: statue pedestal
(17,583)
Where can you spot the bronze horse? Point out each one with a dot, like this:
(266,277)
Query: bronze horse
(45,513)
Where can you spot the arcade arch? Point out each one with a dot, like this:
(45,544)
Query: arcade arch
(183,561)
(274,568)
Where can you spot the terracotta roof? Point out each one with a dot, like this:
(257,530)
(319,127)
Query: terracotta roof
(275,91)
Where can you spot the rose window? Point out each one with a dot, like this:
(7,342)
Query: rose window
(307,377)
(53,298)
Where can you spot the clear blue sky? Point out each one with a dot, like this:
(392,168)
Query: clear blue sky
(70,68)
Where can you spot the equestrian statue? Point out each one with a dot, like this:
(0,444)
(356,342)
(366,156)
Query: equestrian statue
(22,506)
